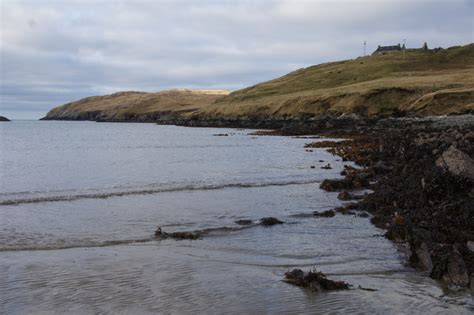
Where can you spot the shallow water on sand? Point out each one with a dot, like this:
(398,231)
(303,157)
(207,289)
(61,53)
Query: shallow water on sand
(79,203)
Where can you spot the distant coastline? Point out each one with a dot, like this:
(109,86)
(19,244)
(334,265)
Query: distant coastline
(418,83)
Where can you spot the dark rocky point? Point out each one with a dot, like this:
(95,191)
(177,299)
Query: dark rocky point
(421,173)
(244,222)
(3,118)
(354,179)
(345,195)
(314,281)
(177,235)
(269,221)
(324,214)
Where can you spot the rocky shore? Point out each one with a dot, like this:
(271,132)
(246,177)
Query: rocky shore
(421,173)
(3,118)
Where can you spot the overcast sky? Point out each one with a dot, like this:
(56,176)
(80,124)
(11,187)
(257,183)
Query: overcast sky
(53,52)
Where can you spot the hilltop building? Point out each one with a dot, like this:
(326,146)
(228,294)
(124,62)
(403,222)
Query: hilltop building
(382,50)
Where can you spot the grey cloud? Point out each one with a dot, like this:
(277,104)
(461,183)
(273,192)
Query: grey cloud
(53,52)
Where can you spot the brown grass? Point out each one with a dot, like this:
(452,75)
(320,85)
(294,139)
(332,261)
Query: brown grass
(375,85)
(423,83)
(136,105)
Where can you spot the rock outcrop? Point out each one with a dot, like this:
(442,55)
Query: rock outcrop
(457,163)
(177,235)
(420,172)
(270,221)
(314,281)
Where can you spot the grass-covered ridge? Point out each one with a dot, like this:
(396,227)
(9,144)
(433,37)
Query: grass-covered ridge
(136,106)
(432,82)
(422,83)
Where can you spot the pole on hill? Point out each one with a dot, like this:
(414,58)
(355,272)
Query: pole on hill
(404,47)
(365,43)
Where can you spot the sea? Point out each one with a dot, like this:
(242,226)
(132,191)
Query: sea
(80,203)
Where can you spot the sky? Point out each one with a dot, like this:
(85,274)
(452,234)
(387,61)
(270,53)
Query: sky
(54,52)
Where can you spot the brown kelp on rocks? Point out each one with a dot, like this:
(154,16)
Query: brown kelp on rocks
(313,280)
(423,193)
(198,234)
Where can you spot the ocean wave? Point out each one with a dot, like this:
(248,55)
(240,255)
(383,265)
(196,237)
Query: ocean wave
(148,191)
(79,244)
(211,231)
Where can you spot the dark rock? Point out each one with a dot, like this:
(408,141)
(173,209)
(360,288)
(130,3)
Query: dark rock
(244,222)
(312,166)
(336,184)
(269,221)
(348,183)
(396,232)
(457,163)
(3,118)
(314,281)
(221,135)
(177,235)
(184,235)
(326,167)
(322,144)
(424,258)
(346,209)
(456,271)
(354,179)
(345,195)
(423,194)
(472,283)
(324,214)
(470,245)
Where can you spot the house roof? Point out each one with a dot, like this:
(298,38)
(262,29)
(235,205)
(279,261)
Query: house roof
(384,48)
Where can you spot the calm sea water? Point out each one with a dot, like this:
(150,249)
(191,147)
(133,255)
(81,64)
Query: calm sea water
(80,201)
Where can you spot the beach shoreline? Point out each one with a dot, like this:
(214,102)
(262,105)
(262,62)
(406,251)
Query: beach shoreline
(421,174)
(401,160)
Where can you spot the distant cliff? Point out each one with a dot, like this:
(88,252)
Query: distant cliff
(3,118)
(136,106)
(417,83)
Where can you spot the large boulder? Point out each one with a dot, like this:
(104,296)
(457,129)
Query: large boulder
(456,271)
(424,258)
(457,163)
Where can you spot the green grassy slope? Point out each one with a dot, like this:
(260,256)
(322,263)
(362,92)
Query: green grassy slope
(433,82)
(373,85)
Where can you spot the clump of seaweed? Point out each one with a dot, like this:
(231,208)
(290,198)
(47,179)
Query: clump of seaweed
(314,280)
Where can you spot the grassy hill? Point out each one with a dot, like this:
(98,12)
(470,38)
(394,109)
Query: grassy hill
(419,83)
(136,106)
(422,83)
